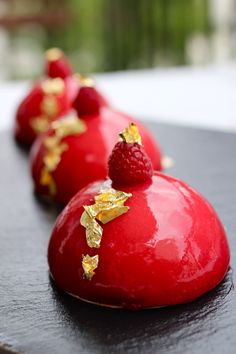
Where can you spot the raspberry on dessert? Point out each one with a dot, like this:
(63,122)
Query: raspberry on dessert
(128,162)
(57,65)
(85,159)
(88,101)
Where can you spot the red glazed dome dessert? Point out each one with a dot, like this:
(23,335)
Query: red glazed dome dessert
(137,240)
(46,101)
(74,151)
(52,98)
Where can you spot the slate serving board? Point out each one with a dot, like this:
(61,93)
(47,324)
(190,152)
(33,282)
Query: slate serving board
(37,318)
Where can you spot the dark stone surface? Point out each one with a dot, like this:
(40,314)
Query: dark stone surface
(36,318)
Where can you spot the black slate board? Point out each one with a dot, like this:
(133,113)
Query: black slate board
(37,318)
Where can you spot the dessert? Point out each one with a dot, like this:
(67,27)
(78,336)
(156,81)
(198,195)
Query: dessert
(52,97)
(85,158)
(46,101)
(140,239)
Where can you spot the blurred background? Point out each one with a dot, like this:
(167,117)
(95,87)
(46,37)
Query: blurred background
(105,35)
(161,60)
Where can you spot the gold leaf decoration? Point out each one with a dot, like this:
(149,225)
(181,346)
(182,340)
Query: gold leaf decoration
(47,180)
(53,156)
(53,54)
(131,135)
(40,124)
(53,86)
(51,160)
(51,142)
(55,148)
(68,126)
(93,229)
(85,80)
(49,106)
(106,216)
(109,204)
(89,264)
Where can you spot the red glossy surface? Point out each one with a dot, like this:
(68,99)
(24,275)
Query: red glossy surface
(86,158)
(58,68)
(89,101)
(169,248)
(30,108)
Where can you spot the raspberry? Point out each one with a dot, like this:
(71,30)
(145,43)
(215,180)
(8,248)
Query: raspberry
(129,164)
(87,101)
(57,65)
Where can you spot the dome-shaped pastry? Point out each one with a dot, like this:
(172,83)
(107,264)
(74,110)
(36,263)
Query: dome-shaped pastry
(137,240)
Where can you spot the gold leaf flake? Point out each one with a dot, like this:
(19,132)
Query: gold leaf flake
(51,142)
(85,80)
(53,156)
(53,54)
(71,125)
(93,229)
(53,86)
(106,216)
(91,210)
(47,180)
(49,105)
(39,124)
(112,195)
(108,205)
(55,148)
(89,264)
(131,134)
(51,160)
